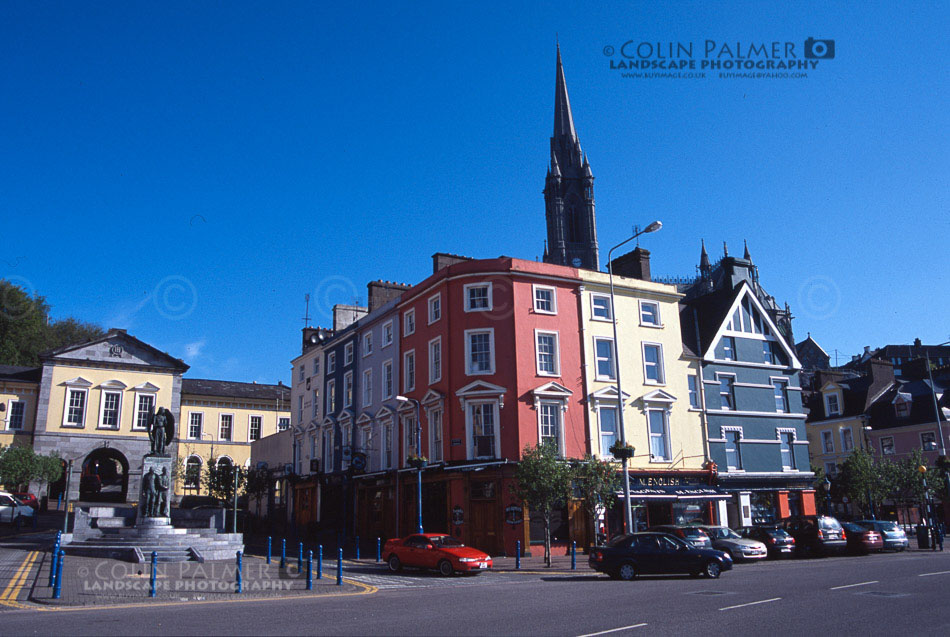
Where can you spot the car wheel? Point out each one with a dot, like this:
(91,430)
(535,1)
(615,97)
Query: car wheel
(712,570)
(445,568)
(394,564)
(627,572)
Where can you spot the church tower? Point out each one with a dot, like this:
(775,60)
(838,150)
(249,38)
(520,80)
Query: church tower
(569,190)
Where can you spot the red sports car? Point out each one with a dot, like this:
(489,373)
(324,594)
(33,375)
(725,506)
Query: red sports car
(436,551)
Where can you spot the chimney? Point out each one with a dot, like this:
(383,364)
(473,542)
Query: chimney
(444,259)
(346,315)
(917,343)
(635,265)
(881,373)
(382,292)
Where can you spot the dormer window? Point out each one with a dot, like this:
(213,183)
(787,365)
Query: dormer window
(832,407)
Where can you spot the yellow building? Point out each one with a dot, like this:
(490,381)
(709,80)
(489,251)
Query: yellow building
(18,398)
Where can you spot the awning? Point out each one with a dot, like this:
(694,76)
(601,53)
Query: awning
(672,494)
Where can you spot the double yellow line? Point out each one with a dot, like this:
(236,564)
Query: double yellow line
(12,591)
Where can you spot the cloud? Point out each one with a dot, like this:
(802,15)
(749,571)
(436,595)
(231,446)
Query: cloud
(193,350)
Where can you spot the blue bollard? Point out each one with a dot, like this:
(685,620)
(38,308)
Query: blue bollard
(357,547)
(58,586)
(268,549)
(339,567)
(309,570)
(240,583)
(379,549)
(52,564)
(319,561)
(518,555)
(59,502)
(151,577)
(573,555)
(283,553)
(300,558)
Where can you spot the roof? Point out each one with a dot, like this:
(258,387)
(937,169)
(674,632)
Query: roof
(711,310)
(231,389)
(17,373)
(115,333)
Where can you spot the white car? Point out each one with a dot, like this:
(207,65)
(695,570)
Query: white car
(13,512)
(739,548)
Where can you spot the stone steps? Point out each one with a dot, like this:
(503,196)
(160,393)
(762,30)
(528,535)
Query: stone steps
(169,543)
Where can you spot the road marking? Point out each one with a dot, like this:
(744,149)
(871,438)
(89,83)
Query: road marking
(937,573)
(838,588)
(12,591)
(613,630)
(761,601)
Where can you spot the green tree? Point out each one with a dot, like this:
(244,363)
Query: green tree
(860,479)
(48,469)
(543,482)
(219,479)
(17,467)
(596,482)
(258,484)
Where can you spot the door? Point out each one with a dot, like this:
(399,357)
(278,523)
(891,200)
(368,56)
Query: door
(676,558)
(485,522)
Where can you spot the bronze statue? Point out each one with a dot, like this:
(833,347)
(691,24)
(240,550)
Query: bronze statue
(162,485)
(149,493)
(161,430)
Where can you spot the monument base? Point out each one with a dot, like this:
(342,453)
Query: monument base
(157,471)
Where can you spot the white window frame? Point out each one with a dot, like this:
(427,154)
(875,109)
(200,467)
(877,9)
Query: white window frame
(409,436)
(85,407)
(10,404)
(558,410)
(326,449)
(725,430)
(435,360)
(201,424)
(732,393)
(389,380)
(348,354)
(102,409)
(593,308)
(409,371)
(367,344)
(470,429)
(367,387)
(331,363)
(316,365)
(467,300)
(605,451)
(331,396)
(435,307)
(221,424)
(348,389)
(315,404)
(386,446)
(260,432)
(283,423)
(884,451)
(469,371)
(534,296)
(784,394)
(656,306)
(729,348)
(826,437)
(660,367)
(665,434)
(827,400)
(138,409)
(557,353)
(598,359)
(300,374)
(388,331)
(781,433)
(692,388)
(846,447)
(923,445)
(409,322)
(435,416)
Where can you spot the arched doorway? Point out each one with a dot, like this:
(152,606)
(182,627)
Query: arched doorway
(105,476)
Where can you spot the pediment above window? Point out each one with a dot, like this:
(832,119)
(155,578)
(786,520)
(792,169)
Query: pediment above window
(113,384)
(659,396)
(431,397)
(364,419)
(79,381)
(146,387)
(384,412)
(607,395)
(480,389)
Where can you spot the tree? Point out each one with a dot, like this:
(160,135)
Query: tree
(596,482)
(17,466)
(860,479)
(49,469)
(543,481)
(258,484)
(219,480)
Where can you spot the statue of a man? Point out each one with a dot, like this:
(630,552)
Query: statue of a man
(157,432)
(162,486)
(149,493)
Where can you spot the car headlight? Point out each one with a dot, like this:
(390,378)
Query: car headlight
(471,559)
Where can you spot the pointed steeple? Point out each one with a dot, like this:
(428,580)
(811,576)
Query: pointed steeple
(725,249)
(746,256)
(563,119)
(703,255)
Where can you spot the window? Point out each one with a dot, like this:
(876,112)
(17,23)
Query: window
(255,430)
(477,297)
(902,408)
(327,450)
(435,308)
(316,365)
(146,403)
(847,440)
(604,355)
(367,343)
(547,353)
(827,442)
(483,429)
(331,362)
(75,408)
(831,404)
(608,429)
(17,415)
(225,426)
(728,348)
(733,452)
(348,389)
(780,389)
(299,408)
(409,323)
(331,397)
(409,431)
(348,354)
(387,380)
(545,301)
(650,313)
(314,404)
(313,446)
(887,446)
(388,447)
(659,435)
(768,355)
(928,440)
(300,373)
(367,387)
(435,360)
(194,425)
(788,453)
(480,351)
(283,424)
(109,418)
(727,396)
(549,416)
(653,364)
(387,333)
(600,307)
(435,435)
(192,472)
(831,469)
(693,381)
(409,371)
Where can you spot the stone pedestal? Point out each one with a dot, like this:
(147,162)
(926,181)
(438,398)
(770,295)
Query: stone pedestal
(156,470)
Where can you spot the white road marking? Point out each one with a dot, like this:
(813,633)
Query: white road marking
(761,601)
(937,573)
(613,630)
(838,588)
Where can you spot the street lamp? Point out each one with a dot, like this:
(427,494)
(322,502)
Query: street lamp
(925,514)
(627,511)
(867,447)
(404,399)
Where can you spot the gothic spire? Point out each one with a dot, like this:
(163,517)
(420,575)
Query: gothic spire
(746,256)
(563,120)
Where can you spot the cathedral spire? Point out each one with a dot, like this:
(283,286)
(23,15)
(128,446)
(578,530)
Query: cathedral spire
(746,256)
(563,119)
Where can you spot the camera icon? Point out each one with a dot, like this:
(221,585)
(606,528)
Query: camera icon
(819,49)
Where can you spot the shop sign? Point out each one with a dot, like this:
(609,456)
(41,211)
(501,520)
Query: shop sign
(514,514)
(667,480)
(458,516)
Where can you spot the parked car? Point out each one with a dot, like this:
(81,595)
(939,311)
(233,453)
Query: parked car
(777,541)
(628,556)
(12,511)
(692,534)
(200,502)
(437,551)
(862,539)
(817,534)
(891,532)
(739,548)
(28,499)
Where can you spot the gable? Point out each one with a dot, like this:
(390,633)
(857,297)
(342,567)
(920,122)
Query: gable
(115,348)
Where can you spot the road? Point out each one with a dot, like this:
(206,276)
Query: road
(874,595)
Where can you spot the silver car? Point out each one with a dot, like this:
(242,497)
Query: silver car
(739,548)
(893,534)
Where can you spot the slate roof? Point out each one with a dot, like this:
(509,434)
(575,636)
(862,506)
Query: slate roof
(23,374)
(175,363)
(711,310)
(231,389)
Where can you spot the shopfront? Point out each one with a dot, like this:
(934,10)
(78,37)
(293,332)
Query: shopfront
(671,497)
(764,500)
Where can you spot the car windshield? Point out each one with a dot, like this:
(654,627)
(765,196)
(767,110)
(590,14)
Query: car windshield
(890,527)
(722,533)
(829,524)
(692,531)
(446,541)
(778,534)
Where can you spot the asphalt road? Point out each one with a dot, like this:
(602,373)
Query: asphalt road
(873,595)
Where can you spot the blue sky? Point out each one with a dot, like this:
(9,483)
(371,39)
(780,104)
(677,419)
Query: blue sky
(189,171)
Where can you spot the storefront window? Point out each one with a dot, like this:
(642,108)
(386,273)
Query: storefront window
(690,513)
(763,507)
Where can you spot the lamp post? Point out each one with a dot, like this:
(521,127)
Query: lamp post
(924,514)
(867,447)
(404,399)
(627,511)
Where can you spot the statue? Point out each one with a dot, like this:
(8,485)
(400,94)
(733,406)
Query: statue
(161,501)
(149,493)
(161,430)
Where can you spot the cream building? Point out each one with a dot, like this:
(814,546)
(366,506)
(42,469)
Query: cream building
(18,398)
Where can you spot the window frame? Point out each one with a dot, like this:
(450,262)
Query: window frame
(201,424)
(436,424)
(692,389)
(787,438)
(731,394)
(103,393)
(331,363)
(367,343)
(780,391)
(367,387)
(932,434)
(434,305)
(609,307)
(664,435)
(139,412)
(846,447)
(893,450)
(221,417)
(535,288)
(605,451)
(330,397)
(467,300)
(389,380)
(409,370)
(661,371)
(348,356)
(827,398)
(348,389)
(656,306)
(469,370)
(827,436)
(10,409)
(729,348)
(435,360)
(612,360)
(409,322)
(388,330)
(733,434)
(558,412)
(68,424)
(492,404)
(250,427)
(556,354)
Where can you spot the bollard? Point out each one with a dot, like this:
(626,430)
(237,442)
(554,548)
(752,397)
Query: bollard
(240,584)
(58,586)
(357,547)
(518,555)
(151,577)
(268,549)
(300,558)
(283,553)
(309,570)
(573,555)
(379,545)
(52,564)
(319,561)
(59,501)
(339,567)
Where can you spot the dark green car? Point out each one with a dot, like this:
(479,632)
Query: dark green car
(629,556)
